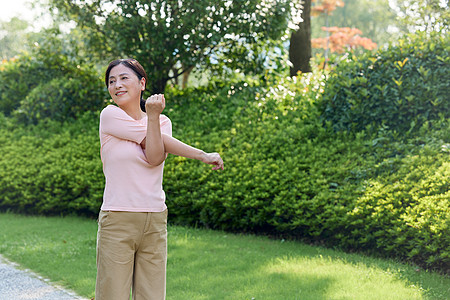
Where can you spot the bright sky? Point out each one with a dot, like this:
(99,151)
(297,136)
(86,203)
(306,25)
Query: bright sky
(23,10)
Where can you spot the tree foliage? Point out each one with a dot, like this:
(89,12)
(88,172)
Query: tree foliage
(337,39)
(423,15)
(325,6)
(170,37)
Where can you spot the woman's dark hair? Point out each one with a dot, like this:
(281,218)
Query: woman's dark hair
(133,65)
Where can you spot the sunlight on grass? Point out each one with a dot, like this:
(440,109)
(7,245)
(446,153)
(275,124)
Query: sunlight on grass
(340,280)
(205,264)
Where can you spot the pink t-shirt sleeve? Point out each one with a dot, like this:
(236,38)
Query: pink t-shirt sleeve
(166,125)
(115,122)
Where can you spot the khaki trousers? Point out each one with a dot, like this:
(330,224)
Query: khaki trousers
(131,254)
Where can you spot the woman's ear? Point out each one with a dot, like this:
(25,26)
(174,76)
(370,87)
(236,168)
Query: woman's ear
(143,84)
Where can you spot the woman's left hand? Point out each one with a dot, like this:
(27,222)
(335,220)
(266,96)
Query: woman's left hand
(213,159)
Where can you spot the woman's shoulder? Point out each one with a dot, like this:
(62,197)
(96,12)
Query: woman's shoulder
(166,124)
(164,118)
(111,111)
(111,108)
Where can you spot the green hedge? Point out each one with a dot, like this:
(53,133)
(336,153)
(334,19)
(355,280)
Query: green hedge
(51,168)
(399,88)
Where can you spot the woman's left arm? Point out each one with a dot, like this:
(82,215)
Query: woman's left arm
(176,147)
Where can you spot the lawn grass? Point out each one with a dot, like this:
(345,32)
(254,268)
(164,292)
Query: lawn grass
(205,264)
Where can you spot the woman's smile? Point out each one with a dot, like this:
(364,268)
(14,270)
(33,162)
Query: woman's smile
(120,93)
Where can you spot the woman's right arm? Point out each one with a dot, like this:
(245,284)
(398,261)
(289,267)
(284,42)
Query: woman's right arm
(154,144)
(115,122)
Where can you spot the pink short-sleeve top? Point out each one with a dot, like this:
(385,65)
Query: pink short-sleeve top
(131,183)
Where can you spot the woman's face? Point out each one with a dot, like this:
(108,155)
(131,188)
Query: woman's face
(124,86)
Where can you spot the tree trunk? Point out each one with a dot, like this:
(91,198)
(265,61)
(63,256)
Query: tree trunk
(300,46)
(158,86)
(186,77)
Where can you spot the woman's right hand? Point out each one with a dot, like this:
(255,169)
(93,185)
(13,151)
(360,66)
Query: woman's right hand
(155,104)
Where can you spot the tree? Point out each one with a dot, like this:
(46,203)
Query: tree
(343,39)
(326,7)
(170,37)
(300,43)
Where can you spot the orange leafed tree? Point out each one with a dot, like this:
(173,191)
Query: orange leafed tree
(338,39)
(325,6)
(343,39)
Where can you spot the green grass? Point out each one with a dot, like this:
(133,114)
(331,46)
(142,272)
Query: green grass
(206,264)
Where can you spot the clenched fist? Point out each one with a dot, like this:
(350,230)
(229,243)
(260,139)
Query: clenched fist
(155,104)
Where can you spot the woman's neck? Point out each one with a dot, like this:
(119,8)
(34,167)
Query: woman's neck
(133,111)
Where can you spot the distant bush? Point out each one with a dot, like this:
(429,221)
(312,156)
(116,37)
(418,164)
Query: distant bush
(399,88)
(15,83)
(62,98)
(48,84)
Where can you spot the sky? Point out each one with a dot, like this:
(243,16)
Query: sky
(15,8)
(23,10)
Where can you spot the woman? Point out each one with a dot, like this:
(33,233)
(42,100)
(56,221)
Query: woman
(132,228)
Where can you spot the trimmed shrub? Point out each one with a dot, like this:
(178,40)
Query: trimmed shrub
(399,88)
(405,207)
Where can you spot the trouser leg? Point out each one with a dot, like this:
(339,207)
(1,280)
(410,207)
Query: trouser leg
(118,233)
(149,282)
